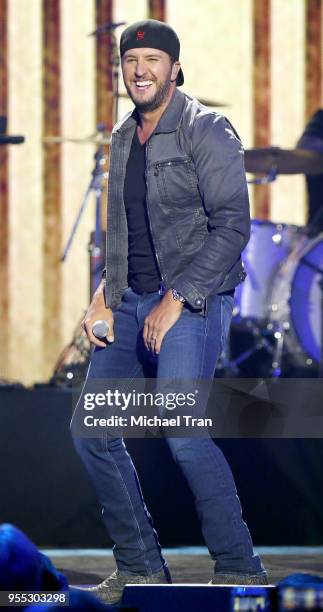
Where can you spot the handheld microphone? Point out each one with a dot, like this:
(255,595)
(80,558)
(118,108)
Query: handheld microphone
(100,329)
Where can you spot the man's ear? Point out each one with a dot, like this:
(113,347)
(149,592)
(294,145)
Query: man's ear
(175,70)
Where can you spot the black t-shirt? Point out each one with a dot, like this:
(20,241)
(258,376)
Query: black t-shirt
(143,273)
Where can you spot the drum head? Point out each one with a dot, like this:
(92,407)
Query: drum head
(305,298)
(269,245)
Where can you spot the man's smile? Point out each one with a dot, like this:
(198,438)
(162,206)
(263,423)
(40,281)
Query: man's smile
(143,85)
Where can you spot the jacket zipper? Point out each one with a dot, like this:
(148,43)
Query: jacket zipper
(172,162)
(150,226)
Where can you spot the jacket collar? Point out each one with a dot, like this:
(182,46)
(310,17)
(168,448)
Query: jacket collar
(169,120)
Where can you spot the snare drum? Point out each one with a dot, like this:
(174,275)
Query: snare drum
(296,299)
(269,244)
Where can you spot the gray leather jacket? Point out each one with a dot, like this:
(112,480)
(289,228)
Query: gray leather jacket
(197,202)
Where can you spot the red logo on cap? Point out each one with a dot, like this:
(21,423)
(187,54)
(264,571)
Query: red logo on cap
(140,35)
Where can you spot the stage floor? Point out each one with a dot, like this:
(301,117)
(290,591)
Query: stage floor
(187,564)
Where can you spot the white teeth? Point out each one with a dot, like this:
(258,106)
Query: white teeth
(143,83)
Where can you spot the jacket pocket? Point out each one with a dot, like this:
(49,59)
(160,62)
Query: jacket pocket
(177,183)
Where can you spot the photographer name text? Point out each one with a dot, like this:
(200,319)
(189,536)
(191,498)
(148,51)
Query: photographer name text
(144,421)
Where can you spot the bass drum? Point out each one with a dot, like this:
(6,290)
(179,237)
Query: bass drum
(269,245)
(296,300)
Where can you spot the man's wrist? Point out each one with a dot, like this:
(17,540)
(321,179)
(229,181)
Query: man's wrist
(168,297)
(177,296)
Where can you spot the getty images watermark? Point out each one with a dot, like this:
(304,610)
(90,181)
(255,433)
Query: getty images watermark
(131,407)
(135,400)
(221,408)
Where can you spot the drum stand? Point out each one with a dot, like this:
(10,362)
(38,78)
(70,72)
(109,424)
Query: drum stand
(260,342)
(279,336)
(231,366)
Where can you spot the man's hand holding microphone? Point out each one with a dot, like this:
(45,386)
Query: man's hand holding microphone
(98,320)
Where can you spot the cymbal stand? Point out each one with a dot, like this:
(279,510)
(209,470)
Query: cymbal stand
(95,246)
(115,61)
(96,185)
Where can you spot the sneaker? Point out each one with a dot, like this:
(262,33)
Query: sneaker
(110,590)
(242,579)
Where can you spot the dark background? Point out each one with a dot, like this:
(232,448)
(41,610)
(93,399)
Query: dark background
(45,491)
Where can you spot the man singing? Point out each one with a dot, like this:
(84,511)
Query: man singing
(178,219)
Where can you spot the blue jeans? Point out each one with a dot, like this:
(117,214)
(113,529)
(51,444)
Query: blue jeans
(190,349)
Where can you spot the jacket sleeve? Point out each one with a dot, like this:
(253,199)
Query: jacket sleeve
(218,156)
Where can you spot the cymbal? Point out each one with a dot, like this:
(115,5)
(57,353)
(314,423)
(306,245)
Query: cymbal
(93,139)
(6,139)
(283,161)
(207,102)
(107,27)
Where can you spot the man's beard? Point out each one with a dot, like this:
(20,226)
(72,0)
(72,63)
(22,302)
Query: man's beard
(160,96)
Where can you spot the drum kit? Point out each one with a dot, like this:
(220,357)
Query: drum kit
(281,300)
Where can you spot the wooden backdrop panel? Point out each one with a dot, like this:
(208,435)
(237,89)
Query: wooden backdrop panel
(157,9)
(78,119)
(104,83)
(287,103)
(25,267)
(52,215)
(4,203)
(313,55)
(261,94)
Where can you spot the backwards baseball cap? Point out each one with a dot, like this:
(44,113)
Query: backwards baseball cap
(152,34)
